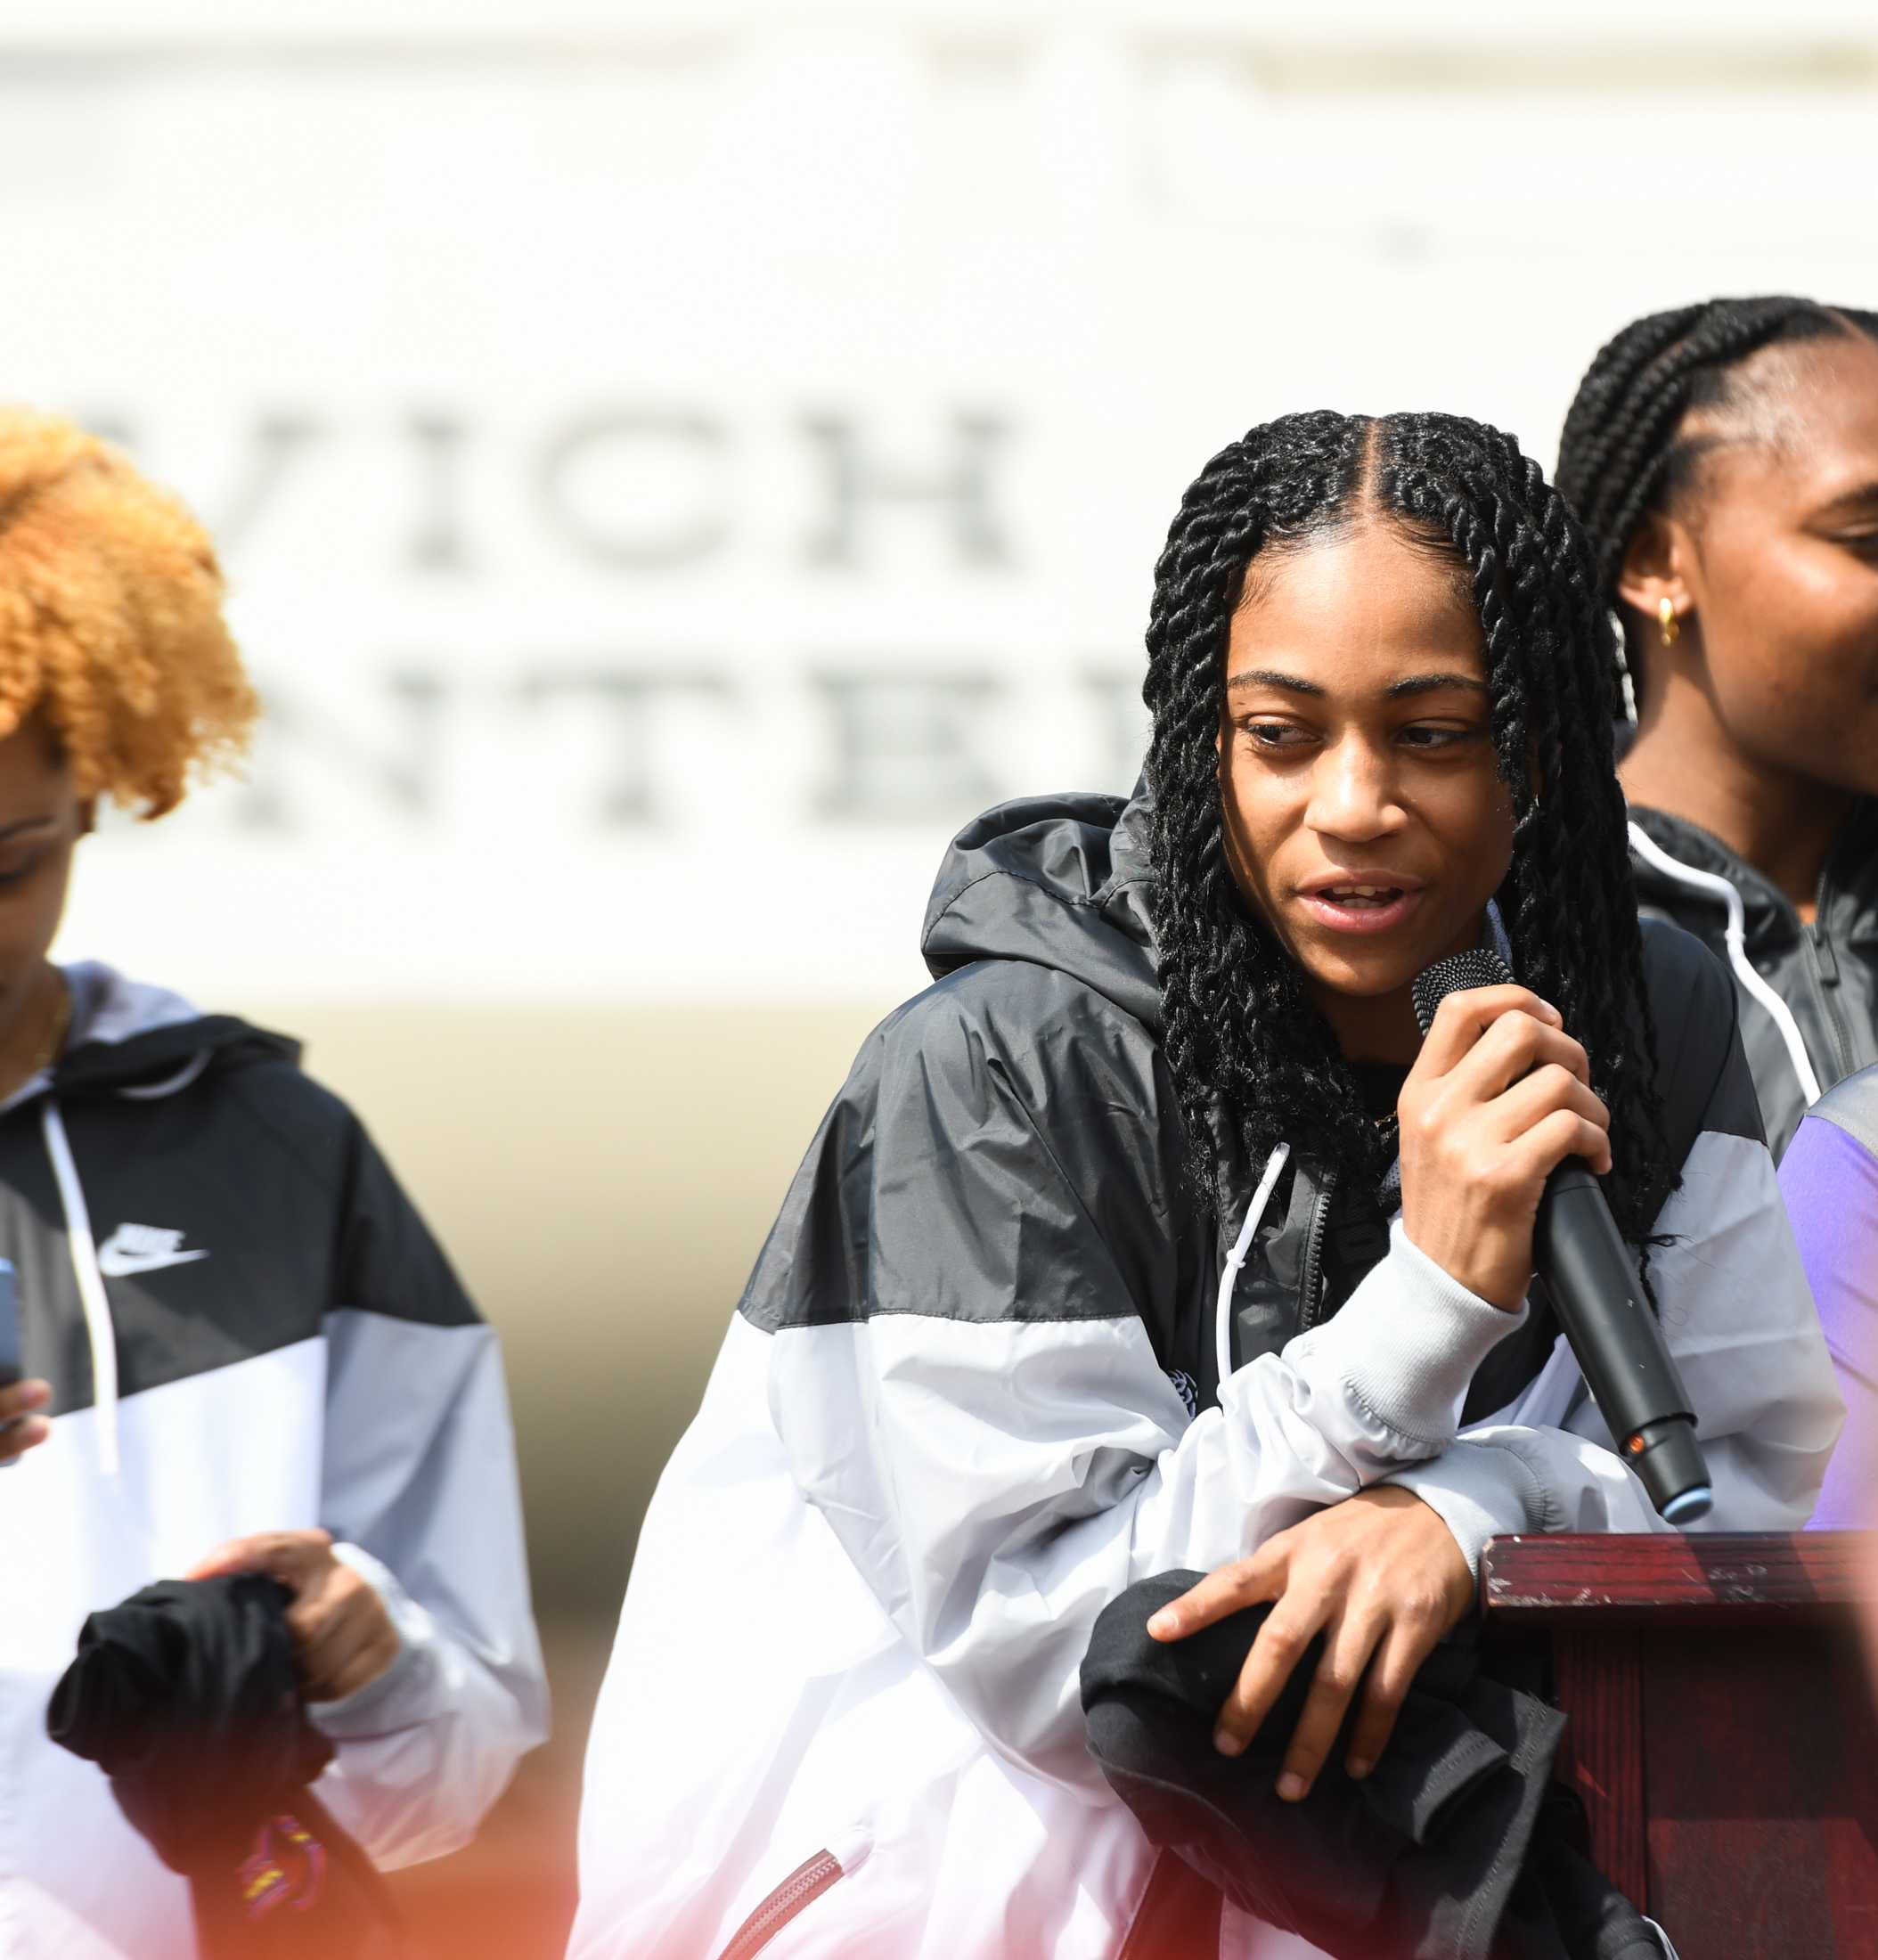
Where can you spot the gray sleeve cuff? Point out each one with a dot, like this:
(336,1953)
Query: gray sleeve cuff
(1480,1491)
(1408,1341)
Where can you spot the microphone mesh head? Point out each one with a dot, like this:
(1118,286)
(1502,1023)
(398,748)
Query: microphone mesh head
(1481,966)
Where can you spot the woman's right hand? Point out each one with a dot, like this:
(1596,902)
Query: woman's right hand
(21,1429)
(1498,1098)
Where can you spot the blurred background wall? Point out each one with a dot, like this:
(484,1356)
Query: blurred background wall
(677,461)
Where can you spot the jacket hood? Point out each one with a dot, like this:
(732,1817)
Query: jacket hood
(134,1042)
(126,1035)
(1060,881)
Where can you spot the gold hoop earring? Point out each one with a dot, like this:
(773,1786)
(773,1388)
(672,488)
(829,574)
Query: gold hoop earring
(1666,619)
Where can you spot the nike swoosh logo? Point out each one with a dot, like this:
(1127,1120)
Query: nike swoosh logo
(116,1264)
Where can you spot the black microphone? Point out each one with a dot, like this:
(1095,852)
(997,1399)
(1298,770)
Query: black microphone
(1593,1285)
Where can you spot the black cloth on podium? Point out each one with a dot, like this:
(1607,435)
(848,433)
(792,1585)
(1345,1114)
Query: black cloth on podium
(1457,1845)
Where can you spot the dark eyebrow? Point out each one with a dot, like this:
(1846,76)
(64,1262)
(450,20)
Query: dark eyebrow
(1433,683)
(1415,683)
(1861,497)
(1267,677)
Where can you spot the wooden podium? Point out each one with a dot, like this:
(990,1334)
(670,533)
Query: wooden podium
(1721,1728)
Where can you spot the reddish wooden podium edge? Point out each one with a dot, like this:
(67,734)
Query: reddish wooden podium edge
(1594,1592)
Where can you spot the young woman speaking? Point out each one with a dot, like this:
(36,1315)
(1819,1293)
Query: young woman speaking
(1153,1236)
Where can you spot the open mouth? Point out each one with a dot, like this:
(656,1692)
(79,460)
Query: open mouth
(1366,907)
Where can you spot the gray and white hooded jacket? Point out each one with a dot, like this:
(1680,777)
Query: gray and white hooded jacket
(246,1327)
(970,1395)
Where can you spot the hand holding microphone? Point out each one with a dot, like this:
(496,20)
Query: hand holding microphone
(1499,1097)
(1502,1144)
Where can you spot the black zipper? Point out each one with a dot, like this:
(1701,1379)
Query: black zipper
(807,1882)
(1312,1284)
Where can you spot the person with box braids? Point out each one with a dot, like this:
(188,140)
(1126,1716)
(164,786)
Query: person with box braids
(1724,458)
(1154,1240)
(1239,1019)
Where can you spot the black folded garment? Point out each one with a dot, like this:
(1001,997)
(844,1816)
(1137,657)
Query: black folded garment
(186,1696)
(1457,1846)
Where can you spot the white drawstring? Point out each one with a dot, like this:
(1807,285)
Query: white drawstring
(1736,935)
(170,1084)
(1254,1211)
(99,1330)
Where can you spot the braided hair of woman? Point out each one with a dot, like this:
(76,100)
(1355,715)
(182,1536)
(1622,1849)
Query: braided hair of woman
(1626,450)
(1253,1061)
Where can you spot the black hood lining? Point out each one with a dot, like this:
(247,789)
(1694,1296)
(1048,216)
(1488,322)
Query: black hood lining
(106,1067)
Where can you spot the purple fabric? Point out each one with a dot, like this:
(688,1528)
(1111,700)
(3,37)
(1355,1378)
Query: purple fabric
(1830,1183)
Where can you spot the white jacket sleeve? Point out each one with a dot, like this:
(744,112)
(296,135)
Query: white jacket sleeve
(997,1450)
(1738,1317)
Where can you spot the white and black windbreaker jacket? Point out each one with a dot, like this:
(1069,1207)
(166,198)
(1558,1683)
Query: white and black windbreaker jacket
(246,1328)
(969,1396)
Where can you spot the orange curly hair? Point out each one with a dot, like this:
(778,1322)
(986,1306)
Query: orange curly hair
(111,619)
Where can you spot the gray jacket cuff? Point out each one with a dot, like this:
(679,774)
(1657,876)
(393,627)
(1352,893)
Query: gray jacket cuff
(1408,1340)
(1480,1491)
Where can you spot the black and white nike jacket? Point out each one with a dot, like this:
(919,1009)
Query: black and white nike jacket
(973,1391)
(246,1327)
(1809,989)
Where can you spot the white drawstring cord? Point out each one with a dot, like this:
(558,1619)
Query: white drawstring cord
(99,1330)
(1736,935)
(1254,1211)
(170,1084)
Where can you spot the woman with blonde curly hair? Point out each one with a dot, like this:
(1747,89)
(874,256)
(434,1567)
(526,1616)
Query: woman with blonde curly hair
(241,1349)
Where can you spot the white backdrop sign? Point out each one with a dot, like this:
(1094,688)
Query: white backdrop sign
(671,477)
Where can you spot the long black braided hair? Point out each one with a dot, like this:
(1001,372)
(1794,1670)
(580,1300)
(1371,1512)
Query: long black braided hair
(1254,1062)
(1626,450)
